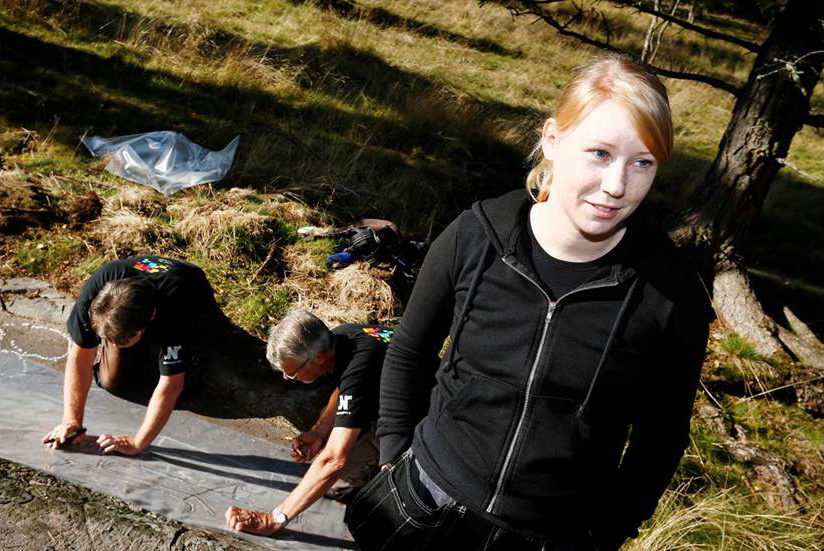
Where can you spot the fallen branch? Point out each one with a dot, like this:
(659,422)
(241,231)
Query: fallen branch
(265,262)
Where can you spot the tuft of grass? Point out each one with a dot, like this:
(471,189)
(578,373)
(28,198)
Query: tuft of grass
(307,259)
(720,521)
(738,347)
(87,266)
(734,366)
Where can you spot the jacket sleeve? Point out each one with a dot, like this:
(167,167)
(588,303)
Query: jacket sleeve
(660,427)
(412,357)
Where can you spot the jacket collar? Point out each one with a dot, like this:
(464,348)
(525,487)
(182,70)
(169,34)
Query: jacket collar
(504,222)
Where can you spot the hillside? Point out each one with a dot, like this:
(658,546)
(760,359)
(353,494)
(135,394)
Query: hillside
(406,111)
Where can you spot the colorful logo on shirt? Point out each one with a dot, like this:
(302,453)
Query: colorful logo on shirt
(152,266)
(384,335)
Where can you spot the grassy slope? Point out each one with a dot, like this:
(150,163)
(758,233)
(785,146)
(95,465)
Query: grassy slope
(400,110)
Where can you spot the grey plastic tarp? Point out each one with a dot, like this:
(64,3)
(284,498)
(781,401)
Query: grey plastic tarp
(192,472)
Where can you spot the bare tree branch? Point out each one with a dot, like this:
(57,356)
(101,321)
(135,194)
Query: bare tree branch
(640,6)
(563,28)
(709,33)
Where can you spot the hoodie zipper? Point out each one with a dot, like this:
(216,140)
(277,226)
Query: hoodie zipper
(533,370)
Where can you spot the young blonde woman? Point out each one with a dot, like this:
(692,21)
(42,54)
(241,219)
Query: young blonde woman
(574,334)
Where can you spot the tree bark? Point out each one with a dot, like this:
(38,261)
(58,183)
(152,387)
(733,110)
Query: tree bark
(768,112)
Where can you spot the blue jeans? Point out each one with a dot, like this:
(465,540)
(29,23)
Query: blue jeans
(389,514)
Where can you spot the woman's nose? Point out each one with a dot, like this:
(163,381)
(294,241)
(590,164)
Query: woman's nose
(614,180)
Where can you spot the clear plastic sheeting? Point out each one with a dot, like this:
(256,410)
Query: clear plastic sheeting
(166,161)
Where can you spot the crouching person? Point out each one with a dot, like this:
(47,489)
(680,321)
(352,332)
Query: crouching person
(147,316)
(342,442)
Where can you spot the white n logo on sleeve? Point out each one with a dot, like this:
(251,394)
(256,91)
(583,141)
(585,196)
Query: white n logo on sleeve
(343,404)
(172,354)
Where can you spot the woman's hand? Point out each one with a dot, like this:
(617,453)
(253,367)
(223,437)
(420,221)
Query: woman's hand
(119,444)
(253,522)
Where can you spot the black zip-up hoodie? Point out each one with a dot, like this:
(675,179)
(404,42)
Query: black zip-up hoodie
(526,420)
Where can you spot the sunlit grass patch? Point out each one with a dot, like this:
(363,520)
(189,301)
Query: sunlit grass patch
(257,312)
(723,520)
(47,254)
(738,347)
(734,366)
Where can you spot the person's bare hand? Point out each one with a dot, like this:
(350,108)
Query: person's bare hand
(253,522)
(306,446)
(64,434)
(118,444)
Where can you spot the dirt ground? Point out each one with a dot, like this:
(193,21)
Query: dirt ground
(40,512)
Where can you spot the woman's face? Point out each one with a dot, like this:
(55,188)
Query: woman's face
(601,170)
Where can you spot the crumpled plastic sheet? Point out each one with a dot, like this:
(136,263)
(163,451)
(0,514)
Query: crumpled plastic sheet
(192,472)
(166,161)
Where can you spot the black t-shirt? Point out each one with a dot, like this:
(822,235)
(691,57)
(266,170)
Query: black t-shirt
(560,276)
(359,354)
(184,299)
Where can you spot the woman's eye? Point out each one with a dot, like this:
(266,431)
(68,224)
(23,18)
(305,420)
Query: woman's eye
(644,163)
(600,154)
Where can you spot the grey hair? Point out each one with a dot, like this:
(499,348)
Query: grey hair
(300,335)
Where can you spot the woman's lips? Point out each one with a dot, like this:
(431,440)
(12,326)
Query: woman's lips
(603,211)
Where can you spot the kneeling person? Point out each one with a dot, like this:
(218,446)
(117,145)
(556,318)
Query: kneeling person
(343,438)
(139,310)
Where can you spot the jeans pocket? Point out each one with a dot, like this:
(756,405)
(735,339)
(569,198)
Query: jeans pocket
(388,514)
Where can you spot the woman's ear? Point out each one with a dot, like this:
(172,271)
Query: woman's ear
(549,139)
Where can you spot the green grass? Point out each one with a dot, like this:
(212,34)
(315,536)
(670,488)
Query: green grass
(738,347)
(258,312)
(47,254)
(400,110)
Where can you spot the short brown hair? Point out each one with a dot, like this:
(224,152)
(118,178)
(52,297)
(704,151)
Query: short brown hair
(122,308)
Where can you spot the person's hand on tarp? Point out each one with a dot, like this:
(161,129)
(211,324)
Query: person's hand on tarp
(252,522)
(64,434)
(118,444)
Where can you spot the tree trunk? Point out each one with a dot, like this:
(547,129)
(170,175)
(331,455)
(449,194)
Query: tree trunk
(768,112)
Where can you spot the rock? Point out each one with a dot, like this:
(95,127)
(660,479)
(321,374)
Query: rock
(34,299)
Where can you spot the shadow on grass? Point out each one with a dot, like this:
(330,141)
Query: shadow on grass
(418,165)
(381,17)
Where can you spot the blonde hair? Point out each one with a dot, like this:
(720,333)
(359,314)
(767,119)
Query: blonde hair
(617,77)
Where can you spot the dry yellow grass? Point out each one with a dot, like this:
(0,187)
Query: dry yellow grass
(127,230)
(718,520)
(140,199)
(355,294)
